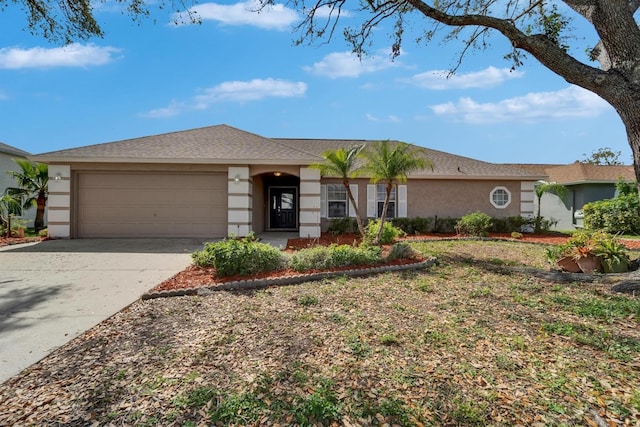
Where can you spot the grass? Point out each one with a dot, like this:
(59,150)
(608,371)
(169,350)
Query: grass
(460,344)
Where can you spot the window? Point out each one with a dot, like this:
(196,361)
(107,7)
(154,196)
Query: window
(500,197)
(381,194)
(336,201)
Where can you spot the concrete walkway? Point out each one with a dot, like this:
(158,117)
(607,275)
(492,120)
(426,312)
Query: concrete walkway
(52,291)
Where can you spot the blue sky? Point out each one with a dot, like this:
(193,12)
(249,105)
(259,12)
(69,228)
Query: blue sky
(242,69)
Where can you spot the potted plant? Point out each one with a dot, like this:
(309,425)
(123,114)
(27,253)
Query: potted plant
(560,256)
(613,254)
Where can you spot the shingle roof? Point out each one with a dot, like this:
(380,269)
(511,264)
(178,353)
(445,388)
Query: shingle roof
(13,151)
(213,144)
(578,172)
(224,144)
(444,164)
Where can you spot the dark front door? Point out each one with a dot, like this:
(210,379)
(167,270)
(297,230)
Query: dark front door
(282,207)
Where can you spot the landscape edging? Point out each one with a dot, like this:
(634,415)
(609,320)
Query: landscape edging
(248,284)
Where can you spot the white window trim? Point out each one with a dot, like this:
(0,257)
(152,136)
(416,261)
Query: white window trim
(394,192)
(400,202)
(346,202)
(495,205)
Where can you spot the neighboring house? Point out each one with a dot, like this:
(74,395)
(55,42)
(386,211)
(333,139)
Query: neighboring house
(7,154)
(218,180)
(585,182)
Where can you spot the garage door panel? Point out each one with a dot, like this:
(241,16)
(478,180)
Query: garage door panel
(151,205)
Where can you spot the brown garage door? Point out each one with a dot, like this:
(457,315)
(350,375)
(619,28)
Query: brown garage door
(151,205)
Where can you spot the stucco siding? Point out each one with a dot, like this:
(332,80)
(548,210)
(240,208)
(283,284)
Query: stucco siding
(455,198)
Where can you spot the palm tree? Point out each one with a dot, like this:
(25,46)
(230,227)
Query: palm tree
(8,205)
(551,188)
(390,163)
(342,164)
(33,183)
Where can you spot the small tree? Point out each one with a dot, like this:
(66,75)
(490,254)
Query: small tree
(33,185)
(390,163)
(8,204)
(341,163)
(550,188)
(603,156)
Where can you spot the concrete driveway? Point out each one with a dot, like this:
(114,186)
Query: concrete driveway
(52,291)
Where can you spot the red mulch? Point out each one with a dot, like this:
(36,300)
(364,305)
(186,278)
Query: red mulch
(327,239)
(194,276)
(7,241)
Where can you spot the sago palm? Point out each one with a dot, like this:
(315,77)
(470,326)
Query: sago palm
(389,163)
(33,186)
(341,163)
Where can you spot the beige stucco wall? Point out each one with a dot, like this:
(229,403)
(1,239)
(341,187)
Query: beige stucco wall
(445,198)
(456,198)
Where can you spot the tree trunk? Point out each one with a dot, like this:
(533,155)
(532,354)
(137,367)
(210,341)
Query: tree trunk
(355,207)
(536,228)
(383,216)
(630,115)
(41,201)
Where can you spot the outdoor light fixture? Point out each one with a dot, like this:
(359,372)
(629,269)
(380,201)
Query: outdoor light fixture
(237,178)
(58,176)
(277,173)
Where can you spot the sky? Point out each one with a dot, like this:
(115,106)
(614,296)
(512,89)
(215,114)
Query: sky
(243,69)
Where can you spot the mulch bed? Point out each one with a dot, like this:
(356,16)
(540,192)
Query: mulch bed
(7,241)
(194,276)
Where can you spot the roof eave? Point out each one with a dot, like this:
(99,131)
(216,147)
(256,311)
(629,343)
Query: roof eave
(128,160)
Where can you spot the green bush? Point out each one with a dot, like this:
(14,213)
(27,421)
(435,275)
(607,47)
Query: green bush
(315,258)
(401,250)
(416,225)
(474,224)
(389,232)
(342,226)
(511,223)
(242,256)
(323,257)
(619,215)
(445,225)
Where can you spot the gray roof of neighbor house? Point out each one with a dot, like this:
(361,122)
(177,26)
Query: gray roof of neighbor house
(12,151)
(223,144)
(581,173)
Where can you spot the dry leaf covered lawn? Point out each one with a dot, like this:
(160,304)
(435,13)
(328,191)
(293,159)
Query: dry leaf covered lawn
(457,345)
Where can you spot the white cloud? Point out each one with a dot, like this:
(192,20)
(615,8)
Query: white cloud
(389,119)
(572,102)
(73,55)
(234,91)
(347,64)
(173,109)
(274,17)
(438,80)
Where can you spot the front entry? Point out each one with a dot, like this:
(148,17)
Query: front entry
(283,208)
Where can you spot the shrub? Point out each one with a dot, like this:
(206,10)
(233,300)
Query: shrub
(444,225)
(619,215)
(416,225)
(511,223)
(242,256)
(474,224)
(342,226)
(43,233)
(389,232)
(310,259)
(321,257)
(401,250)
